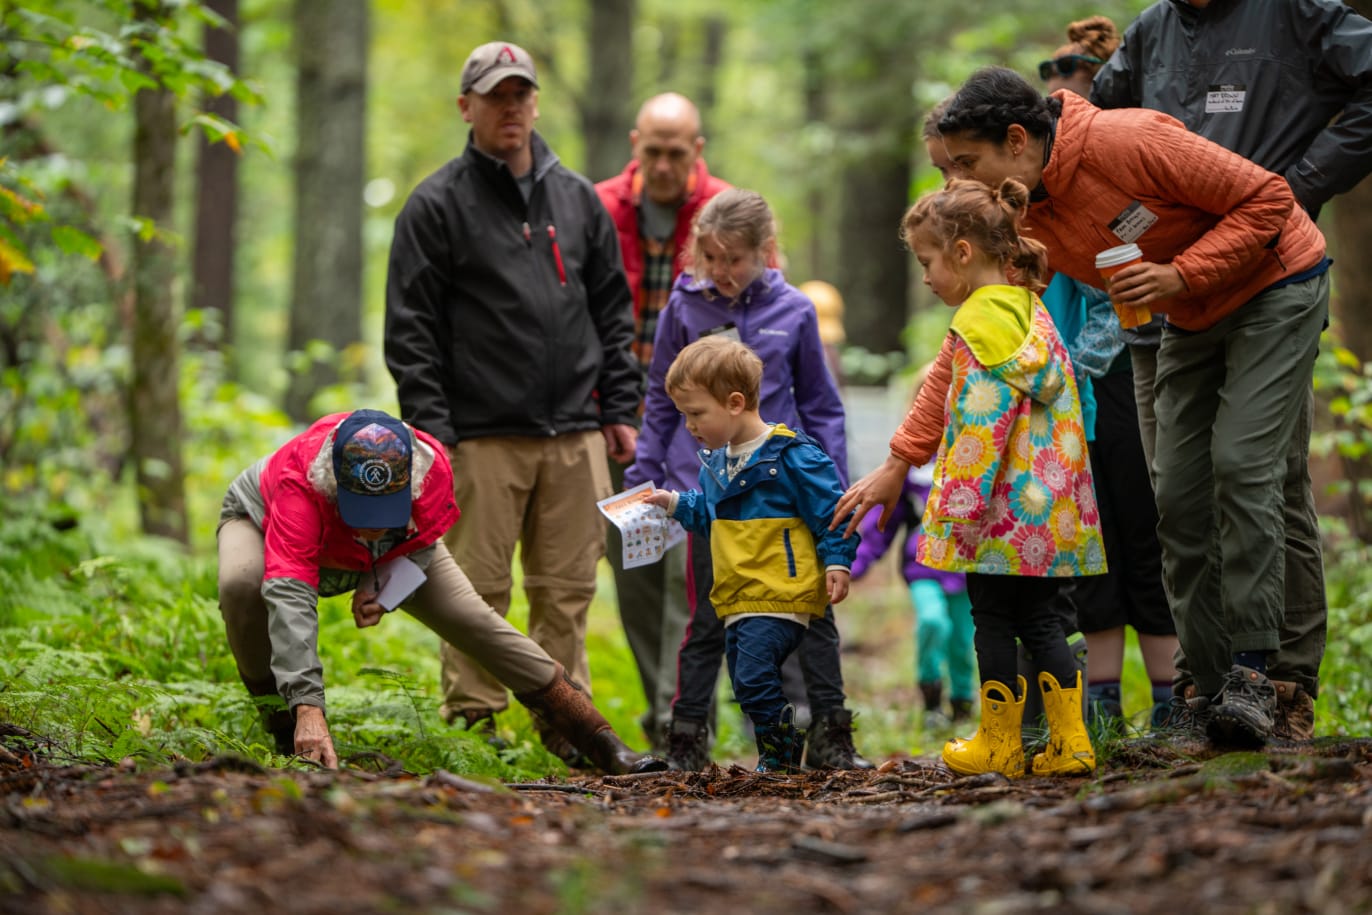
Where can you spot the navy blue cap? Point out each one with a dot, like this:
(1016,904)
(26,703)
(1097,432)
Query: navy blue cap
(371,461)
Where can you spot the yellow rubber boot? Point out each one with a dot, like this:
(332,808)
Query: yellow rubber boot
(996,746)
(1069,746)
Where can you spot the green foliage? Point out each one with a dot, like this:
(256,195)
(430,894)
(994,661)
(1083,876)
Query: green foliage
(117,650)
(101,51)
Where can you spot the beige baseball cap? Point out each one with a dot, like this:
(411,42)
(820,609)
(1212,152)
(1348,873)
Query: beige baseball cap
(494,61)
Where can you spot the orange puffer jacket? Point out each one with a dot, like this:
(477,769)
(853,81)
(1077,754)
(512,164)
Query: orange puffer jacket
(1230,227)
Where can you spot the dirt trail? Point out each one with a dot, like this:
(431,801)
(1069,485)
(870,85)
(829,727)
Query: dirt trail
(1155,831)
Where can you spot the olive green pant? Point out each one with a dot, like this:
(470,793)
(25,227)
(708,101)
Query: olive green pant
(1305,620)
(1232,405)
(539,493)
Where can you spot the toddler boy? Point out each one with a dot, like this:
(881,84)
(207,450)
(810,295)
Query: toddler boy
(766,497)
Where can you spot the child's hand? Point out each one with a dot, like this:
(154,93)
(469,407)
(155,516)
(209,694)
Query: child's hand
(662,498)
(837,582)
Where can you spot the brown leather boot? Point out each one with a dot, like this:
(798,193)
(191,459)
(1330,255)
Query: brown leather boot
(564,707)
(1295,718)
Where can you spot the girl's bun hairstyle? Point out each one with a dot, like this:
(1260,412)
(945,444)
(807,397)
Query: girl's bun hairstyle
(989,218)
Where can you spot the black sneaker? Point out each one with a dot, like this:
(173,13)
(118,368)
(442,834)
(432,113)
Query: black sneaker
(688,745)
(1243,713)
(829,744)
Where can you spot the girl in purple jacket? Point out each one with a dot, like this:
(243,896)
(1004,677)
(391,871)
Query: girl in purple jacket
(943,612)
(730,290)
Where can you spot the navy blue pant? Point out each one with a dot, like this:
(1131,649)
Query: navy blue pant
(755,648)
(701,650)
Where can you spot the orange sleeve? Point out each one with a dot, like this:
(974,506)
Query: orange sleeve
(918,437)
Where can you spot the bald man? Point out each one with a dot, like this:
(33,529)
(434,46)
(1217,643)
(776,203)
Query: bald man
(652,203)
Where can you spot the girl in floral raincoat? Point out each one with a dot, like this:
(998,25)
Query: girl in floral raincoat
(1012,503)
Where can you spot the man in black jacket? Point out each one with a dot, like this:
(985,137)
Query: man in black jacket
(1287,84)
(508,330)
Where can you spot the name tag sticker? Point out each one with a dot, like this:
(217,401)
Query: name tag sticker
(728,331)
(1133,222)
(1225,97)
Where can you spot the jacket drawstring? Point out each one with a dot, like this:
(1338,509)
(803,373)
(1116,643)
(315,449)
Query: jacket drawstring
(557,253)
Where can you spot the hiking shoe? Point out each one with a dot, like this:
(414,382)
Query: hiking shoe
(829,744)
(1182,717)
(1295,716)
(688,745)
(1243,712)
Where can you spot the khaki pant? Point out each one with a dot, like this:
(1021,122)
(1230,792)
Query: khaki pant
(446,603)
(541,494)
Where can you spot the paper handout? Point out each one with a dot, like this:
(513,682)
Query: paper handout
(399,579)
(646,530)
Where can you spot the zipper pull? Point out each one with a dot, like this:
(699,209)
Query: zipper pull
(557,254)
(528,235)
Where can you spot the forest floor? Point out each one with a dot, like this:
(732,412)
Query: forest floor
(1161,828)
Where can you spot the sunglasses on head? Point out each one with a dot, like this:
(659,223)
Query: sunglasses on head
(1065,65)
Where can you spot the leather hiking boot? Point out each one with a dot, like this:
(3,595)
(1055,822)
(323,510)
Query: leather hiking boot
(1243,713)
(688,745)
(562,748)
(1295,717)
(780,744)
(829,744)
(563,706)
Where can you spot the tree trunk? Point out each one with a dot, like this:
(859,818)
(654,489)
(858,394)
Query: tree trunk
(815,113)
(216,200)
(155,412)
(330,164)
(716,27)
(606,116)
(1350,231)
(1348,223)
(872,268)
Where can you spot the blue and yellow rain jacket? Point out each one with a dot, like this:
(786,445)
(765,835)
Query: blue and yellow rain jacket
(769,526)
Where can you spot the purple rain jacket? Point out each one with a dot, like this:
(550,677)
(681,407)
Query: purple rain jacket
(778,322)
(907,514)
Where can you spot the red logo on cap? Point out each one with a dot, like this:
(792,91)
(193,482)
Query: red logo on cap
(507,50)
